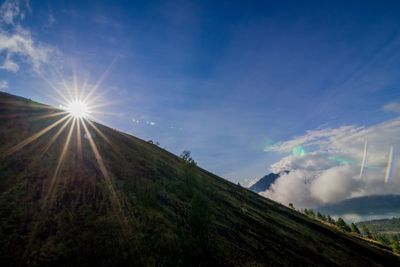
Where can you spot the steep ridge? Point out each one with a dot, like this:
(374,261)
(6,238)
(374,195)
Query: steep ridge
(106,198)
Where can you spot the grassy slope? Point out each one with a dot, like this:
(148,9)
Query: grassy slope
(167,213)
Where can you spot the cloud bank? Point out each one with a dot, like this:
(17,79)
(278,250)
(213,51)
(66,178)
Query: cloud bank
(329,169)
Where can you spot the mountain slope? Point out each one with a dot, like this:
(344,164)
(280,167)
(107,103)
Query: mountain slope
(106,198)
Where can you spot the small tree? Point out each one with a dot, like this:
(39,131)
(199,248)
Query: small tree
(310,213)
(330,220)
(186,156)
(341,224)
(395,244)
(384,240)
(354,228)
(321,217)
(365,231)
(291,206)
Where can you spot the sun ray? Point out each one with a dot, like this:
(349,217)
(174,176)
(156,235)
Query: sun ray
(57,99)
(68,90)
(107,113)
(30,139)
(55,87)
(75,86)
(79,140)
(60,163)
(33,118)
(388,173)
(364,159)
(95,99)
(113,195)
(100,80)
(19,104)
(50,190)
(105,104)
(99,132)
(54,138)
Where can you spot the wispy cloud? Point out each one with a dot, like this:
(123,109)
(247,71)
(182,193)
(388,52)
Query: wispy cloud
(392,107)
(318,137)
(18,47)
(51,18)
(10,12)
(18,44)
(3,85)
(329,169)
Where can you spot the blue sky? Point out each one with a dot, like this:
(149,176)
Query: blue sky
(224,79)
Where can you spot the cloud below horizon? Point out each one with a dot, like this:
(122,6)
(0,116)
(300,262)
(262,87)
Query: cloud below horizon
(328,170)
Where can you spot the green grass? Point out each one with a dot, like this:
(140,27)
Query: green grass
(155,211)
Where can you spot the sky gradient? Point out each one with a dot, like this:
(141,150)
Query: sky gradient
(227,80)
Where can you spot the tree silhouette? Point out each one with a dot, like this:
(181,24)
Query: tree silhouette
(330,220)
(321,217)
(341,224)
(186,156)
(395,244)
(366,232)
(354,228)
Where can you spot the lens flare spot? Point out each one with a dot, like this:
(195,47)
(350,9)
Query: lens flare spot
(389,165)
(341,160)
(298,151)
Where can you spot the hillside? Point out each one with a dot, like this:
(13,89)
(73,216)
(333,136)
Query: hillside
(106,198)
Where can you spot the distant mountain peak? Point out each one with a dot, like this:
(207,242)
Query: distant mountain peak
(266,181)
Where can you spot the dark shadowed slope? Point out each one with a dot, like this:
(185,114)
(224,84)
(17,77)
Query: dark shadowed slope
(106,198)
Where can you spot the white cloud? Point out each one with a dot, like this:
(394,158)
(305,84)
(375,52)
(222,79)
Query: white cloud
(335,183)
(9,65)
(329,172)
(17,44)
(10,12)
(314,137)
(392,107)
(51,18)
(20,44)
(3,85)
(292,188)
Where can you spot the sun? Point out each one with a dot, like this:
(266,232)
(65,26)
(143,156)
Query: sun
(78,109)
